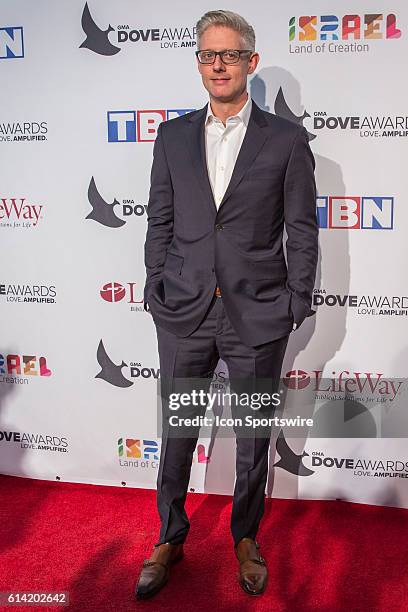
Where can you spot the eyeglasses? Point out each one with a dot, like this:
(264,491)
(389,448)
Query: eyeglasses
(228,56)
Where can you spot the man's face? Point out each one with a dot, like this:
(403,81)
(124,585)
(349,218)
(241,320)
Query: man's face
(225,82)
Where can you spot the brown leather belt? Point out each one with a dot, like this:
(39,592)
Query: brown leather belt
(217,291)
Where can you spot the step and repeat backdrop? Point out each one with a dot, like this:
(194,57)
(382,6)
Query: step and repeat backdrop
(85,86)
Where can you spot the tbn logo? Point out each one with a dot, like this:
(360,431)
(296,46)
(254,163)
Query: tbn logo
(139,126)
(331,27)
(355,212)
(11,43)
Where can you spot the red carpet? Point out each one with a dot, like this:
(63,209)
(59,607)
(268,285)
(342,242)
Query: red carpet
(90,541)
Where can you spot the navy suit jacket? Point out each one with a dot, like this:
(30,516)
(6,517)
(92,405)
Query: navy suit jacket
(191,246)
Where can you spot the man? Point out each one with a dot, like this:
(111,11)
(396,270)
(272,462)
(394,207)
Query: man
(225,180)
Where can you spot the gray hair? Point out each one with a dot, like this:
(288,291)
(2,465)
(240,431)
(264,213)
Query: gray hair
(230,20)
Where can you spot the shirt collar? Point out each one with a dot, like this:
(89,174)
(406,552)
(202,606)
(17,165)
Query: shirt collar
(243,115)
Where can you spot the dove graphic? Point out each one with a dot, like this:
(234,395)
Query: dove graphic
(290,461)
(111,372)
(283,110)
(102,212)
(96,39)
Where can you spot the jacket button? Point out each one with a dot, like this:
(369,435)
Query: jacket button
(219,226)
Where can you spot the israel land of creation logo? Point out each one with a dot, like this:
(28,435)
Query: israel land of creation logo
(355,212)
(23,131)
(112,373)
(22,293)
(34,441)
(139,125)
(365,305)
(145,454)
(112,214)
(21,369)
(341,33)
(127,293)
(138,453)
(11,42)
(108,40)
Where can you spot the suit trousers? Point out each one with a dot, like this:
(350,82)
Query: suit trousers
(197,355)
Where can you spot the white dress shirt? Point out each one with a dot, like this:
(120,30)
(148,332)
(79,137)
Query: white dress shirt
(222,144)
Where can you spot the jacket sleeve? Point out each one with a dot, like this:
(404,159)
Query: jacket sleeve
(159,216)
(301,226)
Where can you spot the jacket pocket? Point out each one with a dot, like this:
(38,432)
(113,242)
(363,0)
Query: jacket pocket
(268,269)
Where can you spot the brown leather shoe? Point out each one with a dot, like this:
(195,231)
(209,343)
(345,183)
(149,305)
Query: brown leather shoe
(155,571)
(253,574)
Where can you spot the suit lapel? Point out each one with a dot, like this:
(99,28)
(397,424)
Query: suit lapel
(254,140)
(196,144)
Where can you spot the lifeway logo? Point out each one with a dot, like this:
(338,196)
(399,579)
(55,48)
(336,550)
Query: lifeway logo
(18,213)
(18,369)
(40,294)
(368,305)
(104,212)
(139,125)
(346,383)
(98,41)
(355,212)
(11,43)
(116,292)
(319,34)
(23,131)
(136,452)
(35,441)
(112,373)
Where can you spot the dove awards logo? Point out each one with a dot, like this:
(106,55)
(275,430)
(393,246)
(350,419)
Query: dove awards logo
(106,41)
(112,214)
(37,294)
(35,441)
(366,305)
(357,466)
(310,34)
(362,467)
(139,125)
(23,131)
(11,43)
(113,374)
(21,369)
(366,126)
